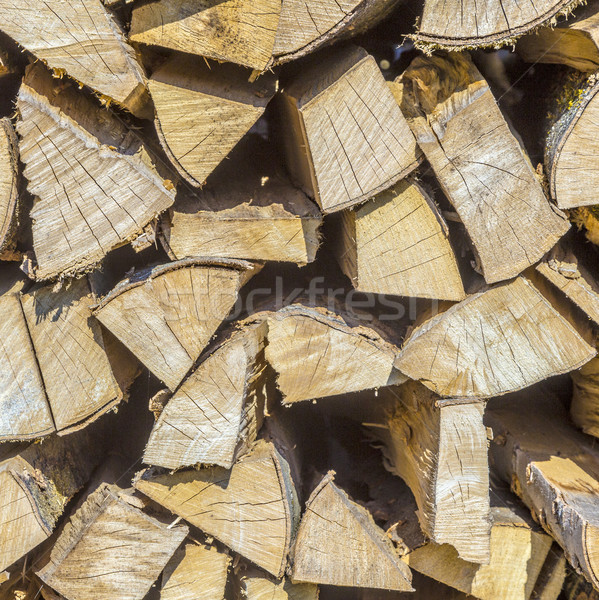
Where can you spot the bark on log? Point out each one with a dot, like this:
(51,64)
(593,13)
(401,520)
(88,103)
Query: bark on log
(9,189)
(480,165)
(398,243)
(344,136)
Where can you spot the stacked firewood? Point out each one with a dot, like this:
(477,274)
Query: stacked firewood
(299,300)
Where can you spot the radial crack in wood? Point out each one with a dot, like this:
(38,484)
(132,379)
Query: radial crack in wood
(480,165)
(9,189)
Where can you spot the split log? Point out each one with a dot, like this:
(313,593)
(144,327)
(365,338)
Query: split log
(338,543)
(587,219)
(214,417)
(439,447)
(248,209)
(571,145)
(343,133)
(480,165)
(203,110)
(496,341)
(167,314)
(252,584)
(398,243)
(459,26)
(584,408)
(252,508)
(574,42)
(95,185)
(82,40)
(110,549)
(36,483)
(318,353)
(553,468)
(9,189)
(195,571)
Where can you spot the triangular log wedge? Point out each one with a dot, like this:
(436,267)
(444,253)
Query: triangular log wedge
(496,341)
(252,584)
(344,135)
(317,353)
(584,408)
(195,571)
(81,39)
(215,415)
(462,25)
(480,165)
(203,110)
(439,447)
(338,543)
(252,508)
(553,468)
(96,188)
(9,188)
(36,483)
(167,314)
(110,550)
(398,243)
(572,145)
(69,348)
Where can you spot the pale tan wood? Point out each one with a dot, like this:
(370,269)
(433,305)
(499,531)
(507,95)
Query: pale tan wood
(496,341)
(463,25)
(195,571)
(587,219)
(553,574)
(398,243)
(318,353)
(345,137)
(252,584)
(69,348)
(82,40)
(552,467)
(110,549)
(214,417)
(95,185)
(440,449)
(9,188)
(167,314)
(203,110)
(584,407)
(338,543)
(239,31)
(480,165)
(36,483)
(252,508)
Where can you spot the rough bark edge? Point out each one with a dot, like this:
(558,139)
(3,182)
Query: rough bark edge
(9,231)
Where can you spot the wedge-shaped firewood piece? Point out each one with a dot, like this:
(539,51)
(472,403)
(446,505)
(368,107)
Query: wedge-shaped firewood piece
(251,508)
(398,243)
(252,584)
(82,39)
(439,447)
(96,188)
(338,543)
(214,417)
(317,353)
(344,135)
(496,341)
(110,549)
(195,571)
(167,314)
(203,110)
(553,468)
(238,31)
(9,191)
(36,483)
(482,168)
(461,25)
(584,408)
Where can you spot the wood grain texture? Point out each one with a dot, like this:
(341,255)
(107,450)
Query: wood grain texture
(584,408)
(9,187)
(110,549)
(496,341)
(166,315)
(252,508)
(94,192)
(252,584)
(338,543)
(345,137)
(214,417)
(203,110)
(480,165)
(317,353)
(81,39)
(398,243)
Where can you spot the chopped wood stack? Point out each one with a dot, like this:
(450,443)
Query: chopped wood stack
(292,303)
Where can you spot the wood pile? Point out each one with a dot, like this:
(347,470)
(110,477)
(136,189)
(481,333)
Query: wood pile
(300,300)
